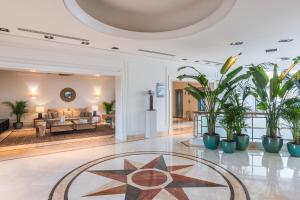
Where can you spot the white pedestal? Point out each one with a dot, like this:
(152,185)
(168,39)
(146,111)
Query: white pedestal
(151,124)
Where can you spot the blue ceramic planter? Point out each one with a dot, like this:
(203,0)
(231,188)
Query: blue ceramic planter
(211,141)
(228,147)
(242,142)
(272,145)
(294,149)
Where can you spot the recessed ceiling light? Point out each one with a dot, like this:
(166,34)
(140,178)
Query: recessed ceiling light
(85,42)
(115,48)
(284,58)
(184,59)
(4,29)
(236,43)
(49,37)
(197,61)
(271,50)
(285,40)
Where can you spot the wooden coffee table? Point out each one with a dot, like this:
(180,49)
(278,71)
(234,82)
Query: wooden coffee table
(58,126)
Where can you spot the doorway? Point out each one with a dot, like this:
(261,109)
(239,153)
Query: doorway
(179,103)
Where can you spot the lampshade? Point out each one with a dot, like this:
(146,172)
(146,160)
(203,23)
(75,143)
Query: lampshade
(95,107)
(39,109)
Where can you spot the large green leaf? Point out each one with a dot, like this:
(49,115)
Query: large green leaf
(262,106)
(196,92)
(260,76)
(287,86)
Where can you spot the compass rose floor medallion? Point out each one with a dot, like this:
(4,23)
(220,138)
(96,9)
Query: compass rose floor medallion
(149,176)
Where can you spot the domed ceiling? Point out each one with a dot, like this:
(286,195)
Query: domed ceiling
(179,17)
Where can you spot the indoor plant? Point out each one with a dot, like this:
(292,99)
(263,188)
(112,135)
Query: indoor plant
(238,100)
(235,112)
(291,113)
(19,108)
(108,106)
(228,145)
(213,96)
(271,93)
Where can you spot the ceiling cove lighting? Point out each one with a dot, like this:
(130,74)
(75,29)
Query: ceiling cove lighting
(271,50)
(4,30)
(236,43)
(285,40)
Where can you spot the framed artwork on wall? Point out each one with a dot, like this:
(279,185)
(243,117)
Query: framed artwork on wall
(160,90)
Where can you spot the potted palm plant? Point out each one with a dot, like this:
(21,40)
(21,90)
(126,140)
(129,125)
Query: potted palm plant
(235,113)
(108,106)
(271,94)
(212,97)
(238,100)
(19,108)
(228,145)
(291,113)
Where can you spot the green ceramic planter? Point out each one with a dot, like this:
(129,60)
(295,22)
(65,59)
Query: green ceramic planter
(228,147)
(242,142)
(211,141)
(272,145)
(18,125)
(294,149)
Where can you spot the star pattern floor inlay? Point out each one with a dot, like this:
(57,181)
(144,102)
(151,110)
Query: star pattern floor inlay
(148,181)
(149,176)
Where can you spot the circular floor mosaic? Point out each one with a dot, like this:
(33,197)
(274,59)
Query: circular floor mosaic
(147,176)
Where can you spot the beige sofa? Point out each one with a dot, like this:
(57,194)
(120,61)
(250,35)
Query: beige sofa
(54,115)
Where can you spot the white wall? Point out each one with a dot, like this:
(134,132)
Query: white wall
(138,74)
(20,85)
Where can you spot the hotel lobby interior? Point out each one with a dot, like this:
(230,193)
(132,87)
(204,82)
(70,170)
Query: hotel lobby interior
(142,100)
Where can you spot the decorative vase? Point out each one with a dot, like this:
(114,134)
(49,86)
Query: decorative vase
(211,141)
(272,145)
(18,125)
(242,142)
(228,146)
(294,149)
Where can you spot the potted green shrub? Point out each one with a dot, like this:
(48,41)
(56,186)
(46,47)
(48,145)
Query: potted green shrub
(271,94)
(291,113)
(228,145)
(108,106)
(18,108)
(213,96)
(235,113)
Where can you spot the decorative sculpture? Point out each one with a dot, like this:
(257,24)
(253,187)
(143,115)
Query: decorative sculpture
(151,93)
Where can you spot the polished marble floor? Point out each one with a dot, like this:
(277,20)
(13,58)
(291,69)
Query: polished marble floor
(161,168)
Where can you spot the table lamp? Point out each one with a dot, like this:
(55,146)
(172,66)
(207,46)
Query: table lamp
(40,110)
(95,109)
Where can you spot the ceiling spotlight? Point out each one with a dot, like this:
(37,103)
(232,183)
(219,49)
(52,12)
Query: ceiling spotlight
(236,43)
(49,37)
(284,59)
(271,50)
(115,48)
(4,30)
(184,59)
(285,40)
(197,61)
(85,42)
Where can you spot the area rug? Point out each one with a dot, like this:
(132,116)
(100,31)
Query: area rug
(28,136)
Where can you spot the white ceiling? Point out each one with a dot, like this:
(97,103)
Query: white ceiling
(258,23)
(149,16)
